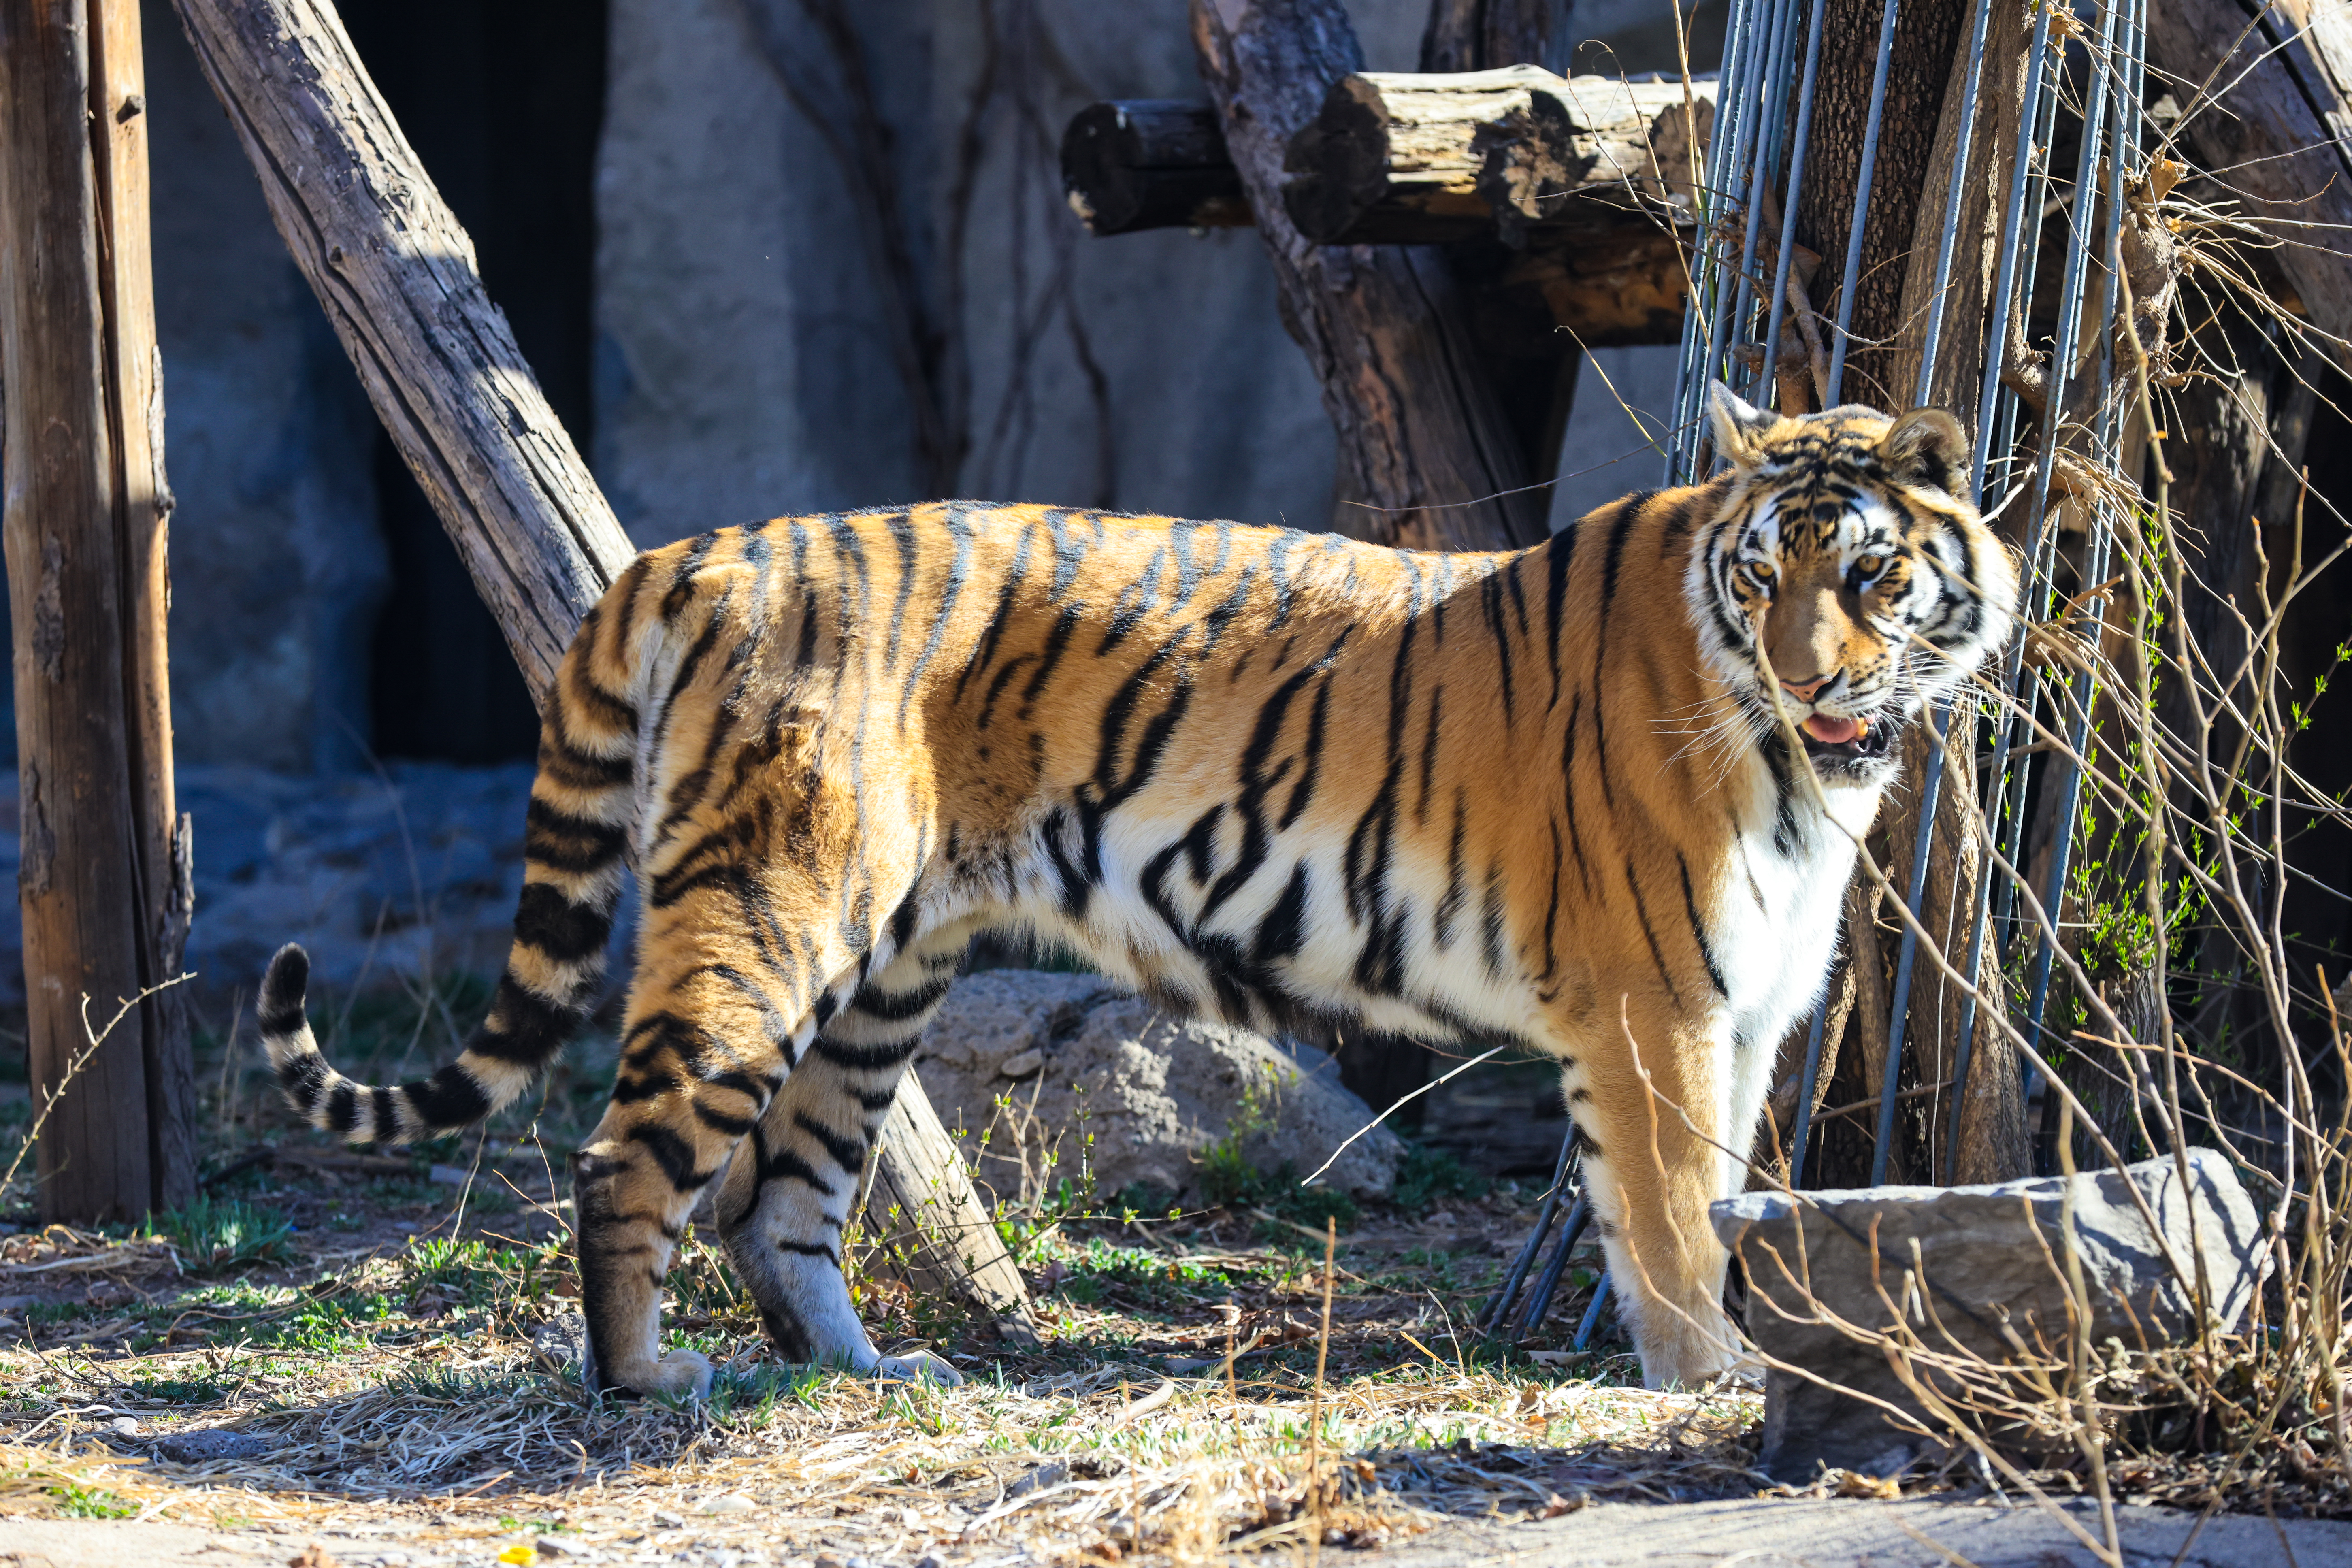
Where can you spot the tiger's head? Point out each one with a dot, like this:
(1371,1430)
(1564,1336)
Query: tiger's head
(1847,545)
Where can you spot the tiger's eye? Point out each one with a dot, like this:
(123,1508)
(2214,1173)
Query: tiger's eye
(1870,566)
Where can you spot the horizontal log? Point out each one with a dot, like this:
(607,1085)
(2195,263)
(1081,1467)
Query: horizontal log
(1586,180)
(1150,162)
(1398,159)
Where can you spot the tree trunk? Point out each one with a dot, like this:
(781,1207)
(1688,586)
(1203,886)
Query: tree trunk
(1480,35)
(395,274)
(2267,102)
(1428,458)
(104,885)
(1928,33)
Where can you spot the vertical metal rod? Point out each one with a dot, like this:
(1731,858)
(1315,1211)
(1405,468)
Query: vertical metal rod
(1769,375)
(1706,266)
(2095,555)
(1591,1314)
(1499,1309)
(1571,1232)
(1803,1134)
(1932,782)
(1934,338)
(1857,223)
(1907,955)
(1759,171)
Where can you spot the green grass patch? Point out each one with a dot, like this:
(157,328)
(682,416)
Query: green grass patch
(90,1502)
(1426,1178)
(218,1236)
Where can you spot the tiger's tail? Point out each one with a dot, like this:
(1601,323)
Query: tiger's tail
(575,859)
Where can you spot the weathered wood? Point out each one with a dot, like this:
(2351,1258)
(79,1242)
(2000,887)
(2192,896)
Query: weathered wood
(103,887)
(921,1210)
(1150,162)
(1411,159)
(1427,457)
(396,276)
(2267,105)
(1587,181)
(1471,35)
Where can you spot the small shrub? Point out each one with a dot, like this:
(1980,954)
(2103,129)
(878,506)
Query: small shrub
(215,1236)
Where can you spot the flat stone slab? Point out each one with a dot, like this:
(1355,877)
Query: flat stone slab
(1976,1264)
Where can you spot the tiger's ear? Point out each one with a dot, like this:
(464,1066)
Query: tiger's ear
(1927,446)
(1739,425)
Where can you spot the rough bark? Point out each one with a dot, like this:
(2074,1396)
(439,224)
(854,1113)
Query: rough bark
(1427,455)
(1476,34)
(1395,159)
(396,276)
(2267,102)
(104,885)
(1928,33)
(1137,164)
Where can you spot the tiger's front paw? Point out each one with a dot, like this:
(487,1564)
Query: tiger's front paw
(922,1366)
(682,1372)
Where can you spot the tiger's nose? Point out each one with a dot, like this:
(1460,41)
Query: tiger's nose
(1805,690)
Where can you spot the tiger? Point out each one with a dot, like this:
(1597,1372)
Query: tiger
(1293,781)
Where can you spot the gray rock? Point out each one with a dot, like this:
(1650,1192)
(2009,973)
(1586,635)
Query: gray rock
(560,1347)
(1039,1063)
(206,1444)
(1985,1258)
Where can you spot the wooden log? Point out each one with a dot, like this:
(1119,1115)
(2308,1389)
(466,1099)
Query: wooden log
(104,885)
(1427,457)
(1150,162)
(1595,220)
(396,276)
(1470,35)
(921,1211)
(1407,159)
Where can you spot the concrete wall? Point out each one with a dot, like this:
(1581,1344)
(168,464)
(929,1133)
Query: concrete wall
(277,566)
(744,355)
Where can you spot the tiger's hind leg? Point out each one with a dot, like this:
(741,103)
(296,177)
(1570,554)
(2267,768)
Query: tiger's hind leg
(792,1187)
(703,1053)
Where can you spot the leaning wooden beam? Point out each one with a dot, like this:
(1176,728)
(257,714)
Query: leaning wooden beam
(395,274)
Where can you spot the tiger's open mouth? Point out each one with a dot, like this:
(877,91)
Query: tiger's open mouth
(1831,737)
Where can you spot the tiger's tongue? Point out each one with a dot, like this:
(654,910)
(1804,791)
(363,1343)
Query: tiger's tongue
(1832,731)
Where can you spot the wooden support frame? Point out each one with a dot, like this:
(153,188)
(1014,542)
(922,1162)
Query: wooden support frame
(105,884)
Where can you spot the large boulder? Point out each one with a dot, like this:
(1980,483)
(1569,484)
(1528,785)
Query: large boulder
(1984,1256)
(1041,1063)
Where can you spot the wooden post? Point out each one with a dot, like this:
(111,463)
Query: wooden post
(104,887)
(395,274)
(1428,457)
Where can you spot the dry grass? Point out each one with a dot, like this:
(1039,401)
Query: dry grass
(395,1384)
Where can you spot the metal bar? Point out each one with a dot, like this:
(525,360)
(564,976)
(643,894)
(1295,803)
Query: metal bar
(1571,1233)
(1934,338)
(1591,1314)
(1855,225)
(1803,1134)
(2095,130)
(1706,262)
(1768,376)
(1499,1309)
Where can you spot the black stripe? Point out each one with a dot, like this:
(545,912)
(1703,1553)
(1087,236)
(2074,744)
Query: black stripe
(899,1006)
(673,1154)
(1699,932)
(450,1098)
(1650,935)
(1558,553)
(849,1154)
(564,931)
